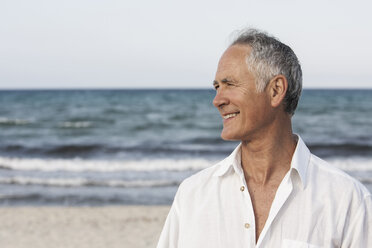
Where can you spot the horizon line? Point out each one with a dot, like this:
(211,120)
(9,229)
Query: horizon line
(151,88)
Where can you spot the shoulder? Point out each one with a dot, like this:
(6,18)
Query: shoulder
(201,186)
(346,204)
(331,178)
(201,179)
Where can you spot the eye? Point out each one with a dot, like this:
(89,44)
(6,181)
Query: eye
(216,86)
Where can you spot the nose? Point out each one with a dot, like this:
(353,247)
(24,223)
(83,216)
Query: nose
(220,99)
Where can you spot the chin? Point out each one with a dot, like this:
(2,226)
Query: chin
(227,136)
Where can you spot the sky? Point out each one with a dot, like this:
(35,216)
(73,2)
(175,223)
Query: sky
(174,44)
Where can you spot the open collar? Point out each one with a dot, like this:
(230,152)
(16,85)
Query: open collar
(232,161)
(300,161)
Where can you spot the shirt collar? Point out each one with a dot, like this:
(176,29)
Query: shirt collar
(232,161)
(300,161)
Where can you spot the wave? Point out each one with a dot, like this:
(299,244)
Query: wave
(196,146)
(73,149)
(83,182)
(179,149)
(57,150)
(13,122)
(69,150)
(42,199)
(341,149)
(80,165)
(352,163)
(205,140)
(76,124)
(187,164)
(151,126)
(77,199)
(96,149)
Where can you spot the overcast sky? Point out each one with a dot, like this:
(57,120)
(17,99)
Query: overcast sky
(174,44)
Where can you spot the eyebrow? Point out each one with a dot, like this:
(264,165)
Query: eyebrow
(225,80)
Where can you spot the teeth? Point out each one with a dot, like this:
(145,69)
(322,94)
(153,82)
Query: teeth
(229,116)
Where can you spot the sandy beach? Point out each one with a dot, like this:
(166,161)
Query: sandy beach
(54,227)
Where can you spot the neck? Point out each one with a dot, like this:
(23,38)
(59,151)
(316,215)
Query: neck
(267,158)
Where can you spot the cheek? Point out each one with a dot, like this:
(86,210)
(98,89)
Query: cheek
(252,115)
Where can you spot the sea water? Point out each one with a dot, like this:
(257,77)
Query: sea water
(104,147)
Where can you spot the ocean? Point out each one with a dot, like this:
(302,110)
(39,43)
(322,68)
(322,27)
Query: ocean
(111,147)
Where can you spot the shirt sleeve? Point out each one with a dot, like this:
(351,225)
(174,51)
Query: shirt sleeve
(169,235)
(359,232)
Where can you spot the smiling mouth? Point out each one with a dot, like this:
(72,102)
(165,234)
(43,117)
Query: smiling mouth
(228,116)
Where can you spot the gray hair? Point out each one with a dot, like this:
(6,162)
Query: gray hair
(269,58)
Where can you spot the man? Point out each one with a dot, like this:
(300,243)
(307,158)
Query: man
(271,191)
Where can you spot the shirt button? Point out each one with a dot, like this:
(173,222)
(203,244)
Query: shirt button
(246,225)
(242,188)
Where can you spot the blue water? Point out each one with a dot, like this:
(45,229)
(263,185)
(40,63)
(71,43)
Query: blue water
(99,147)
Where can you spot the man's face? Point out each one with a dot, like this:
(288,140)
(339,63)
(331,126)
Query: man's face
(245,112)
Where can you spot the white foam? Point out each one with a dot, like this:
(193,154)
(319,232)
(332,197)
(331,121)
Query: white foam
(80,165)
(352,163)
(5,120)
(77,124)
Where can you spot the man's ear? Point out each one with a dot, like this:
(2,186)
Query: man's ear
(278,86)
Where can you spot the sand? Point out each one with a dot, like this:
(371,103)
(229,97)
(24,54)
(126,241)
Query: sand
(68,227)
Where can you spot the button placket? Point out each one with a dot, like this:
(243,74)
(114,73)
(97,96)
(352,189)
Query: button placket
(248,222)
(246,225)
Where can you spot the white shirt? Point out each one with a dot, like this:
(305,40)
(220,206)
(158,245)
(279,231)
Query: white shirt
(316,205)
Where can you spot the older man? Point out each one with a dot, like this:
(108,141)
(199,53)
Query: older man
(271,191)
